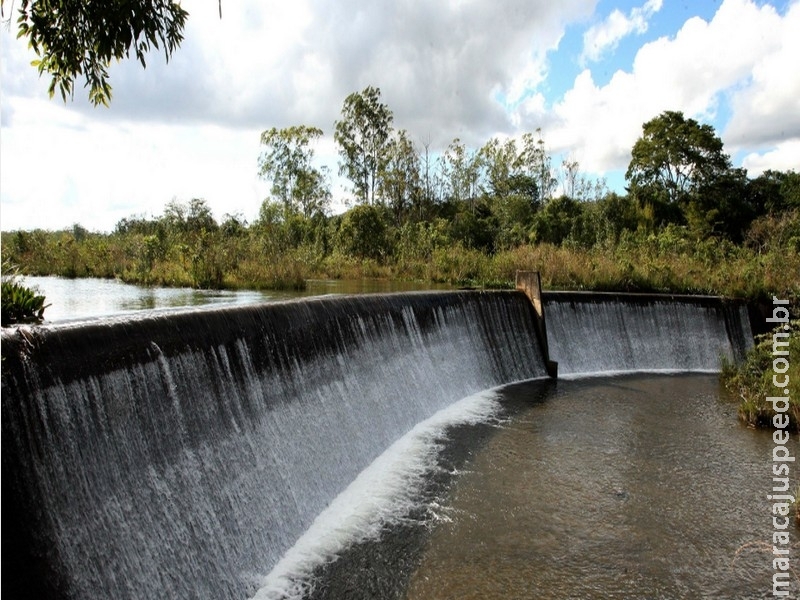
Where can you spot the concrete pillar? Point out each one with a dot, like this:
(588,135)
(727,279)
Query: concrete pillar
(530,282)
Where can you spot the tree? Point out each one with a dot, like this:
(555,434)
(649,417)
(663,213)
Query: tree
(556,220)
(505,172)
(570,168)
(428,180)
(181,218)
(609,216)
(499,161)
(199,217)
(287,162)
(363,135)
(535,162)
(775,191)
(475,227)
(80,37)
(512,192)
(722,206)
(363,232)
(461,168)
(233,225)
(400,176)
(514,215)
(676,156)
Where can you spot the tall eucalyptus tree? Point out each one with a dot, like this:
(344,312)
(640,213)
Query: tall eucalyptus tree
(363,135)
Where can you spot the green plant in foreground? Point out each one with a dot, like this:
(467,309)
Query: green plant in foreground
(752,382)
(20,304)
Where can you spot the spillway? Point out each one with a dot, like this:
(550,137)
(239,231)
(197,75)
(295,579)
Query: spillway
(605,333)
(181,454)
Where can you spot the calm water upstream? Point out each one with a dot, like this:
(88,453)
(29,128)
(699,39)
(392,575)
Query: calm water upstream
(85,298)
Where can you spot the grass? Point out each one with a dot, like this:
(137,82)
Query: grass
(752,381)
(669,261)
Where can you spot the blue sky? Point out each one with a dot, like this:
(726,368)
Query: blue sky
(587,73)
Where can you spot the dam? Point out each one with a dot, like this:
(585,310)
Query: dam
(185,453)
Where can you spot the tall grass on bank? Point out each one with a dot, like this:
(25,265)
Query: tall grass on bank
(647,266)
(752,381)
(670,260)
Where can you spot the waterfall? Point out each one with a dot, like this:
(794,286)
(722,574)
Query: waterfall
(181,454)
(608,333)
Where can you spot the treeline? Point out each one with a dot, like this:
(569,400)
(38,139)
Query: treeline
(688,222)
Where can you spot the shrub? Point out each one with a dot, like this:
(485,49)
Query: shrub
(363,232)
(752,381)
(20,304)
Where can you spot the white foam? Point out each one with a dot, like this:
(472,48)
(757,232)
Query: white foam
(620,372)
(381,494)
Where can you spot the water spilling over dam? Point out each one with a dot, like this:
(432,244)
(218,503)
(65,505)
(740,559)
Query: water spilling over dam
(182,454)
(616,333)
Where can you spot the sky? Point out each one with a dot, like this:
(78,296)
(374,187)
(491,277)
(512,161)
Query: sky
(587,73)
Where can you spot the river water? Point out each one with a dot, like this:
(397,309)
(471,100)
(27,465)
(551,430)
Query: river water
(72,299)
(639,486)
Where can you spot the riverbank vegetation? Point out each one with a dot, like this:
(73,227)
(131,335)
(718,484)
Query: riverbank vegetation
(688,223)
(18,303)
(752,381)
(232,255)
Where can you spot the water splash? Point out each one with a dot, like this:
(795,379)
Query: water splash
(380,496)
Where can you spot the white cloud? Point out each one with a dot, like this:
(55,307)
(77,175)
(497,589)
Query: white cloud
(446,69)
(67,169)
(438,65)
(766,109)
(605,36)
(274,63)
(694,71)
(265,63)
(783,157)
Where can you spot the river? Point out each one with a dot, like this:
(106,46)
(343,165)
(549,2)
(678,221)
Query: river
(637,486)
(82,298)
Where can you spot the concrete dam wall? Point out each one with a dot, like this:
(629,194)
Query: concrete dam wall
(181,454)
(593,333)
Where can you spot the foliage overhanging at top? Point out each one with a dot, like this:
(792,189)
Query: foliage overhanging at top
(81,37)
